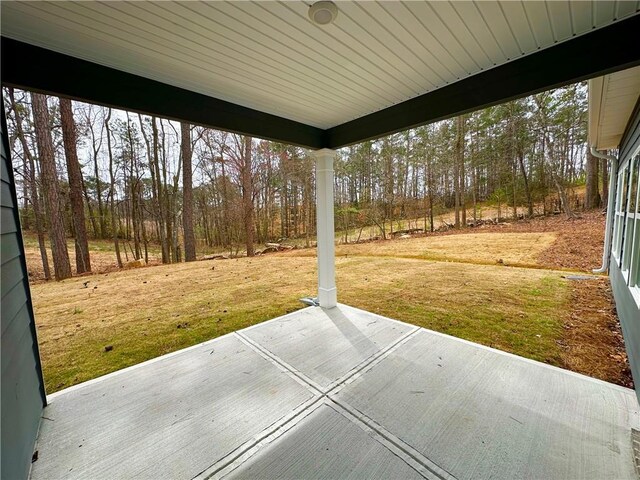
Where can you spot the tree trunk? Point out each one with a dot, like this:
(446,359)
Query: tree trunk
(83,262)
(527,190)
(49,176)
(33,189)
(456,172)
(92,218)
(160,193)
(101,221)
(564,201)
(115,223)
(247,196)
(462,176)
(592,195)
(187,195)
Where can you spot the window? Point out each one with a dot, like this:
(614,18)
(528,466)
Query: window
(630,220)
(631,260)
(620,211)
(626,232)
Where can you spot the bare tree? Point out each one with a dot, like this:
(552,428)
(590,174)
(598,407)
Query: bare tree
(187,194)
(33,188)
(247,194)
(74,172)
(115,223)
(49,177)
(459,175)
(90,121)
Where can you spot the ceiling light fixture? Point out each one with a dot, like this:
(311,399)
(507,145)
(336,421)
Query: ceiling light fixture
(323,13)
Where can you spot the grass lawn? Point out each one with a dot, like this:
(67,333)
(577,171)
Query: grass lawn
(515,249)
(101,253)
(146,312)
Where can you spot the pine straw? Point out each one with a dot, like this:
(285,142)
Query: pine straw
(592,342)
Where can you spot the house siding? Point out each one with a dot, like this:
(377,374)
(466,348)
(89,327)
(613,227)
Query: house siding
(631,137)
(23,396)
(629,315)
(626,306)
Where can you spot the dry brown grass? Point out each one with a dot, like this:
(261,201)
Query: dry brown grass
(150,311)
(103,257)
(515,249)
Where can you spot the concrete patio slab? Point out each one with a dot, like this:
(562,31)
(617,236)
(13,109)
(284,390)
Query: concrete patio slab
(480,413)
(326,344)
(170,418)
(338,393)
(326,444)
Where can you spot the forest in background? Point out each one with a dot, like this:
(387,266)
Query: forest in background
(85,171)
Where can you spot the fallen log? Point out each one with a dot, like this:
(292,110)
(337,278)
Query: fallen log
(218,256)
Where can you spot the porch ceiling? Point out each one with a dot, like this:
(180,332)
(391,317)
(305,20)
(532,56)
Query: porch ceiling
(611,102)
(268,56)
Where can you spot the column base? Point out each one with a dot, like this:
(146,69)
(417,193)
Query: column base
(328,297)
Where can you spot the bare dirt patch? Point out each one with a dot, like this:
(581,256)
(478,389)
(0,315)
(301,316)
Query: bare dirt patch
(592,341)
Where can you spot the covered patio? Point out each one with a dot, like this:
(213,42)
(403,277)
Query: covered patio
(328,391)
(339,393)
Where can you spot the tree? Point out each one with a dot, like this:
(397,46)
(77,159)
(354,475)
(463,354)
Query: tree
(165,181)
(49,177)
(459,175)
(33,187)
(247,193)
(99,228)
(592,194)
(74,172)
(115,222)
(187,194)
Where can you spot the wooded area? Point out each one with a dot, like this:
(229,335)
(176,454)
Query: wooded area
(89,171)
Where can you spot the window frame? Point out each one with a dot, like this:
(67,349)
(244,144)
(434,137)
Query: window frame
(619,212)
(626,245)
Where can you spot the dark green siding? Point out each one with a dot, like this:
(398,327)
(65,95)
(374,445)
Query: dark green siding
(627,308)
(629,315)
(631,137)
(22,388)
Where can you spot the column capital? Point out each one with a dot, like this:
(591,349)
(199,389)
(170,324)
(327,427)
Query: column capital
(324,152)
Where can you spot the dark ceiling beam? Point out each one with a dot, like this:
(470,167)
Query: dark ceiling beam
(33,68)
(599,52)
(596,53)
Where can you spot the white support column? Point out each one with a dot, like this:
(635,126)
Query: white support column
(327,294)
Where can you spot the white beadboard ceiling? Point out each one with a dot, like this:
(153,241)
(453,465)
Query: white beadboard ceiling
(611,102)
(268,56)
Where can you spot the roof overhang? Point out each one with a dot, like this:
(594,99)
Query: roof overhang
(35,60)
(611,102)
